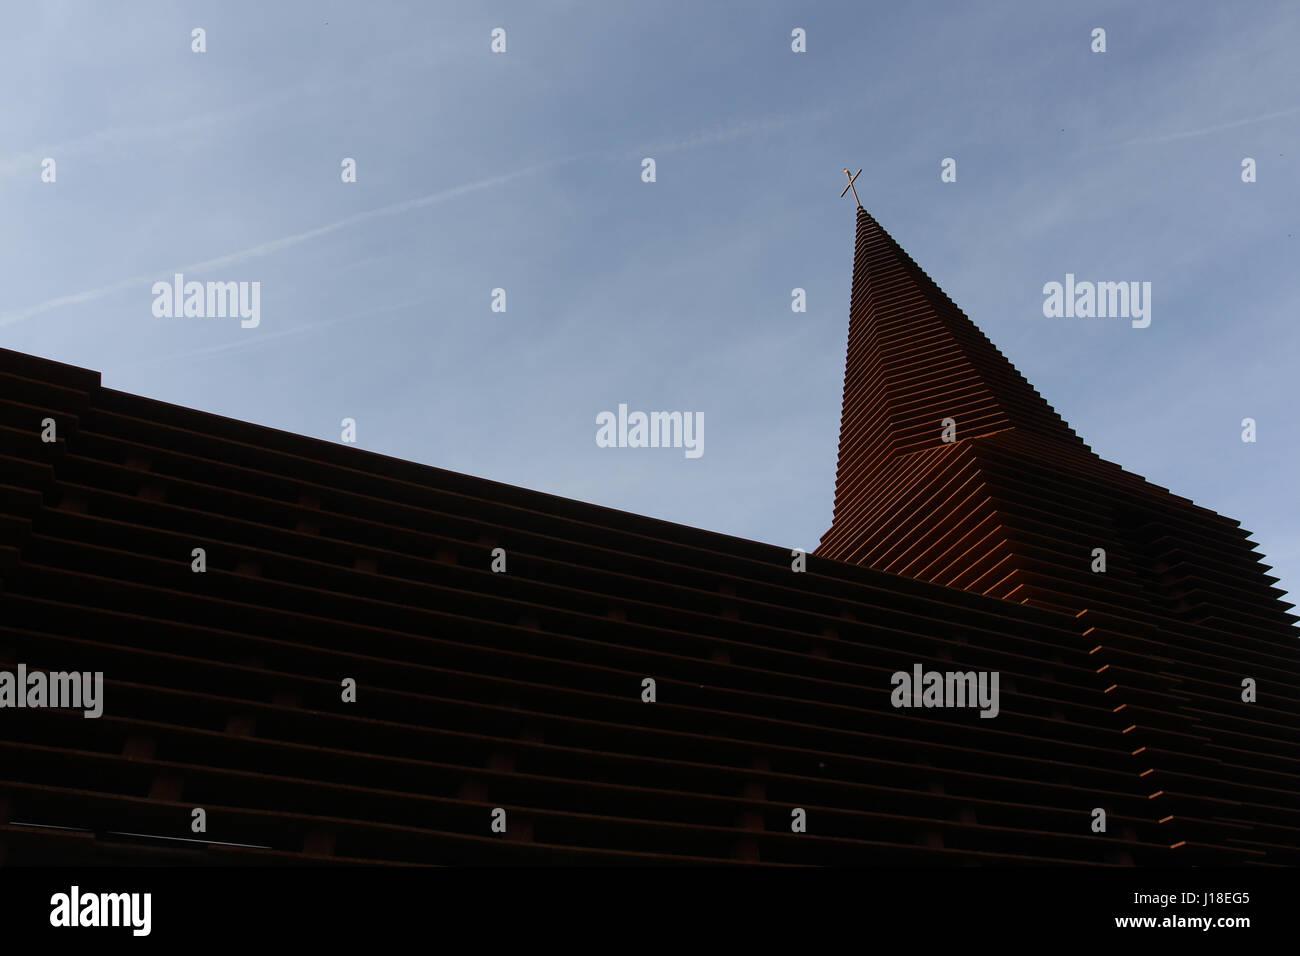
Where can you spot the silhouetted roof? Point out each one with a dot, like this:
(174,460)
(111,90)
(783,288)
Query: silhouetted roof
(523,690)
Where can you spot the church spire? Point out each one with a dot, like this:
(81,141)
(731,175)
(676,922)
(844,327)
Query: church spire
(953,469)
(920,377)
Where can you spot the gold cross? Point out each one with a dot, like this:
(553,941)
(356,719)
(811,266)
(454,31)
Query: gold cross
(850,186)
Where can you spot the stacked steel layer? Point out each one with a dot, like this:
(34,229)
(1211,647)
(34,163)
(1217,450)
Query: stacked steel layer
(954,470)
(520,696)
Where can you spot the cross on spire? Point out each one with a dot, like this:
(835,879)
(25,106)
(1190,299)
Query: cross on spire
(850,186)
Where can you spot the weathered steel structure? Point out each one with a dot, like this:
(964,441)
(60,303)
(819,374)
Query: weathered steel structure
(502,717)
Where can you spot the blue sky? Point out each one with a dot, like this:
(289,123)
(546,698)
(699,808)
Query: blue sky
(522,171)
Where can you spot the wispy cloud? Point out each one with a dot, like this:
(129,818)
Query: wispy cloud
(260,339)
(267,248)
(1203,131)
(117,138)
(727,132)
(707,138)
